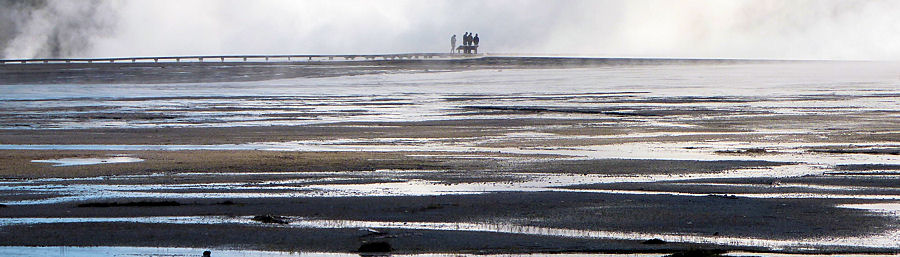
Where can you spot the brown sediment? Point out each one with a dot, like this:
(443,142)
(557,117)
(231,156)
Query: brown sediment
(238,135)
(18,163)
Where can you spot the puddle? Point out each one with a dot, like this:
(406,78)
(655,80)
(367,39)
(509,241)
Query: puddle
(89,161)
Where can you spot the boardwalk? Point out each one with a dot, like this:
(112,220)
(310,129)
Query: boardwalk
(242,58)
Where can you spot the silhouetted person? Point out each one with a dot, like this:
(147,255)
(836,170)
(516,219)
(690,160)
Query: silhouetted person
(466,39)
(207,253)
(452,43)
(475,39)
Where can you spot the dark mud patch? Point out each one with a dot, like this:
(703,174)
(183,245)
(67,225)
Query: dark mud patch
(867,167)
(877,151)
(729,190)
(479,96)
(834,127)
(380,103)
(699,253)
(639,166)
(655,241)
(22,195)
(314,240)
(613,111)
(826,180)
(93,116)
(863,173)
(750,151)
(691,99)
(375,247)
(782,218)
(130,204)
(348,181)
(465,128)
(226,203)
(270,219)
(866,170)
(226,190)
(485,122)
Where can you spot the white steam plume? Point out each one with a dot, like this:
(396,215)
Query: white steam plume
(794,29)
(53,28)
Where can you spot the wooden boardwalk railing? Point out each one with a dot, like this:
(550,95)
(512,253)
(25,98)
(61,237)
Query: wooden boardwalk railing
(241,58)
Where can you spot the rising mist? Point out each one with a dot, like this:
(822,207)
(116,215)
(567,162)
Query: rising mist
(801,29)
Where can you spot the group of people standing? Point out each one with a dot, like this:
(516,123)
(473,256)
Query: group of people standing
(468,41)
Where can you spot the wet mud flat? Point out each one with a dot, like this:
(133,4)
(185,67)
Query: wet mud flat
(500,227)
(518,200)
(482,157)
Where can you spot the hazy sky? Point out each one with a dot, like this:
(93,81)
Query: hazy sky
(786,29)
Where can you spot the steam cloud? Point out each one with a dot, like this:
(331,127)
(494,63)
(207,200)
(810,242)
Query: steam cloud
(43,29)
(796,29)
